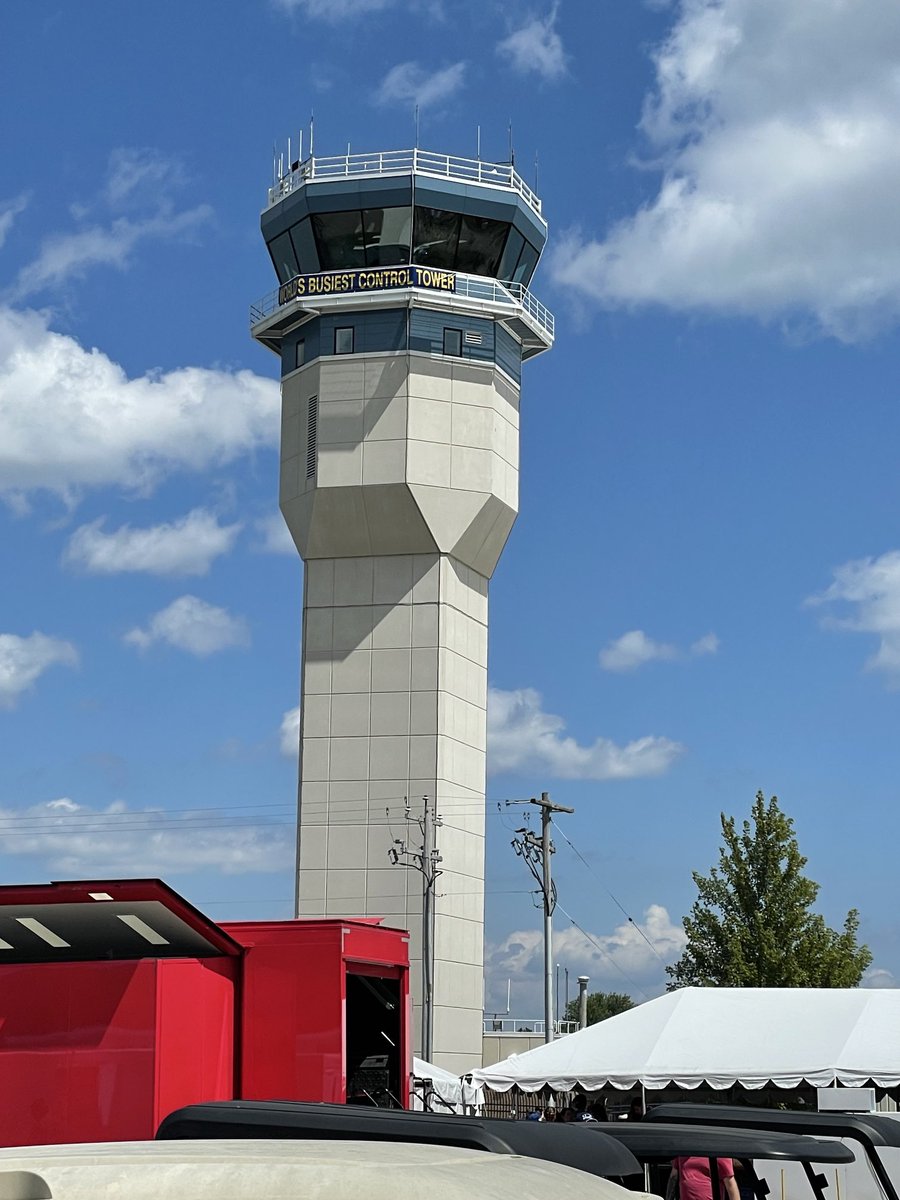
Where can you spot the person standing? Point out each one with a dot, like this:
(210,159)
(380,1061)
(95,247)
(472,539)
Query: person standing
(695,1182)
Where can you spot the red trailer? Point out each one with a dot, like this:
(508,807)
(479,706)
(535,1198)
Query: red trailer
(120,1001)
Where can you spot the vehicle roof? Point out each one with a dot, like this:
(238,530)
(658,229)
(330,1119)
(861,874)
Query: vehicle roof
(874,1129)
(649,1140)
(284,1169)
(603,1155)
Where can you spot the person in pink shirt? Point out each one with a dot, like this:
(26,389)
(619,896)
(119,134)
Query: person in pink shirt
(694,1183)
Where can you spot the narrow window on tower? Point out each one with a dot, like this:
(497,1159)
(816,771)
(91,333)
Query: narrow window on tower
(300,354)
(312,427)
(343,340)
(453,342)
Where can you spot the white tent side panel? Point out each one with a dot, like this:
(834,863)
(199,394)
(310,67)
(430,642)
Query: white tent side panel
(719,1037)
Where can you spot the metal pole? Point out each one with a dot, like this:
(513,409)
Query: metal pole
(428,879)
(583,981)
(548,919)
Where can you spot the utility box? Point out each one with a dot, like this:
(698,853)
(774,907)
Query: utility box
(120,1001)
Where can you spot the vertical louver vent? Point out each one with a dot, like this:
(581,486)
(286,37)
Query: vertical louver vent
(312,428)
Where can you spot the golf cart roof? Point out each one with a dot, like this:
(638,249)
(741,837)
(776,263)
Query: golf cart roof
(652,1140)
(873,1129)
(566,1144)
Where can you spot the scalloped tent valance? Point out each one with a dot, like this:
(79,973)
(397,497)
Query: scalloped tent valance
(720,1037)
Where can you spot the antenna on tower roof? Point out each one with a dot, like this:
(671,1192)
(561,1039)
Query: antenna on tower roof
(512,153)
(536,168)
(478,142)
(311,119)
(417,126)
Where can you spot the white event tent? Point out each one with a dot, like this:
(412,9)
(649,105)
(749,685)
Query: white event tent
(719,1037)
(451,1094)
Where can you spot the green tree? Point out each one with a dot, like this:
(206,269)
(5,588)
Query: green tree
(600,1005)
(751,924)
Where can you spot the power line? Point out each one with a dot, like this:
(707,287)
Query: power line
(590,937)
(628,915)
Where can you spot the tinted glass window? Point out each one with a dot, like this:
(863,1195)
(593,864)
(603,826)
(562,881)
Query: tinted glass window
(526,264)
(305,247)
(436,238)
(343,341)
(480,243)
(511,252)
(339,237)
(283,257)
(386,233)
(300,353)
(453,342)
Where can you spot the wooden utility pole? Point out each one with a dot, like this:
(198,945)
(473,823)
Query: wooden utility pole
(537,854)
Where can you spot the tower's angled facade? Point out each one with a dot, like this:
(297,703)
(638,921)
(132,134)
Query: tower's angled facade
(402,319)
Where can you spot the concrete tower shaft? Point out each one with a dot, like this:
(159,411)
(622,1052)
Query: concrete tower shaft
(399,484)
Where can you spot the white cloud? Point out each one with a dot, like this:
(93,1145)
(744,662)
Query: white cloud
(290,733)
(192,625)
(9,210)
(878,977)
(411,83)
(536,48)
(187,546)
(708,644)
(774,124)
(621,961)
(871,587)
(71,417)
(79,841)
(333,10)
(275,537)
(140,180)
(141,174)
(633,649)
(65,256)
(522,737)
(24,659)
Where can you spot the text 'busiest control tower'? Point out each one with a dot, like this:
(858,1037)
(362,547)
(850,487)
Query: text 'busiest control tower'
(402,320)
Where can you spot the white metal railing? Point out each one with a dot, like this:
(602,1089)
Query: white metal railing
(473,287)
(507,1025)
(397,162)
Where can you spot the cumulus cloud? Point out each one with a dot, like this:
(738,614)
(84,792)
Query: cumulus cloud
(9,210)
(79,841)
(192,625)
(188,546)
(71,418)
(633,649)
(289,733)
(870,589)
(522,737)
(536,48)
(411,83)
(274,535)
(614,961)
(773,125)
(24,659)
(878,977)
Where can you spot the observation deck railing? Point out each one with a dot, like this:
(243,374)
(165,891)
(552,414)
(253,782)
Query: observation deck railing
(405,162)
(473,287)
(507,1025)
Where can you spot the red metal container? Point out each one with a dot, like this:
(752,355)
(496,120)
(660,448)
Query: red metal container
(119,1002)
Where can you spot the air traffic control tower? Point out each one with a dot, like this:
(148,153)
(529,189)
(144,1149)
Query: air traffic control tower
(403,319)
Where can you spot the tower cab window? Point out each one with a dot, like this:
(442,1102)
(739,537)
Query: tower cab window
(453,342)
(343,340)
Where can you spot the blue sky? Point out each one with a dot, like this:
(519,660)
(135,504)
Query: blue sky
(701,597)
